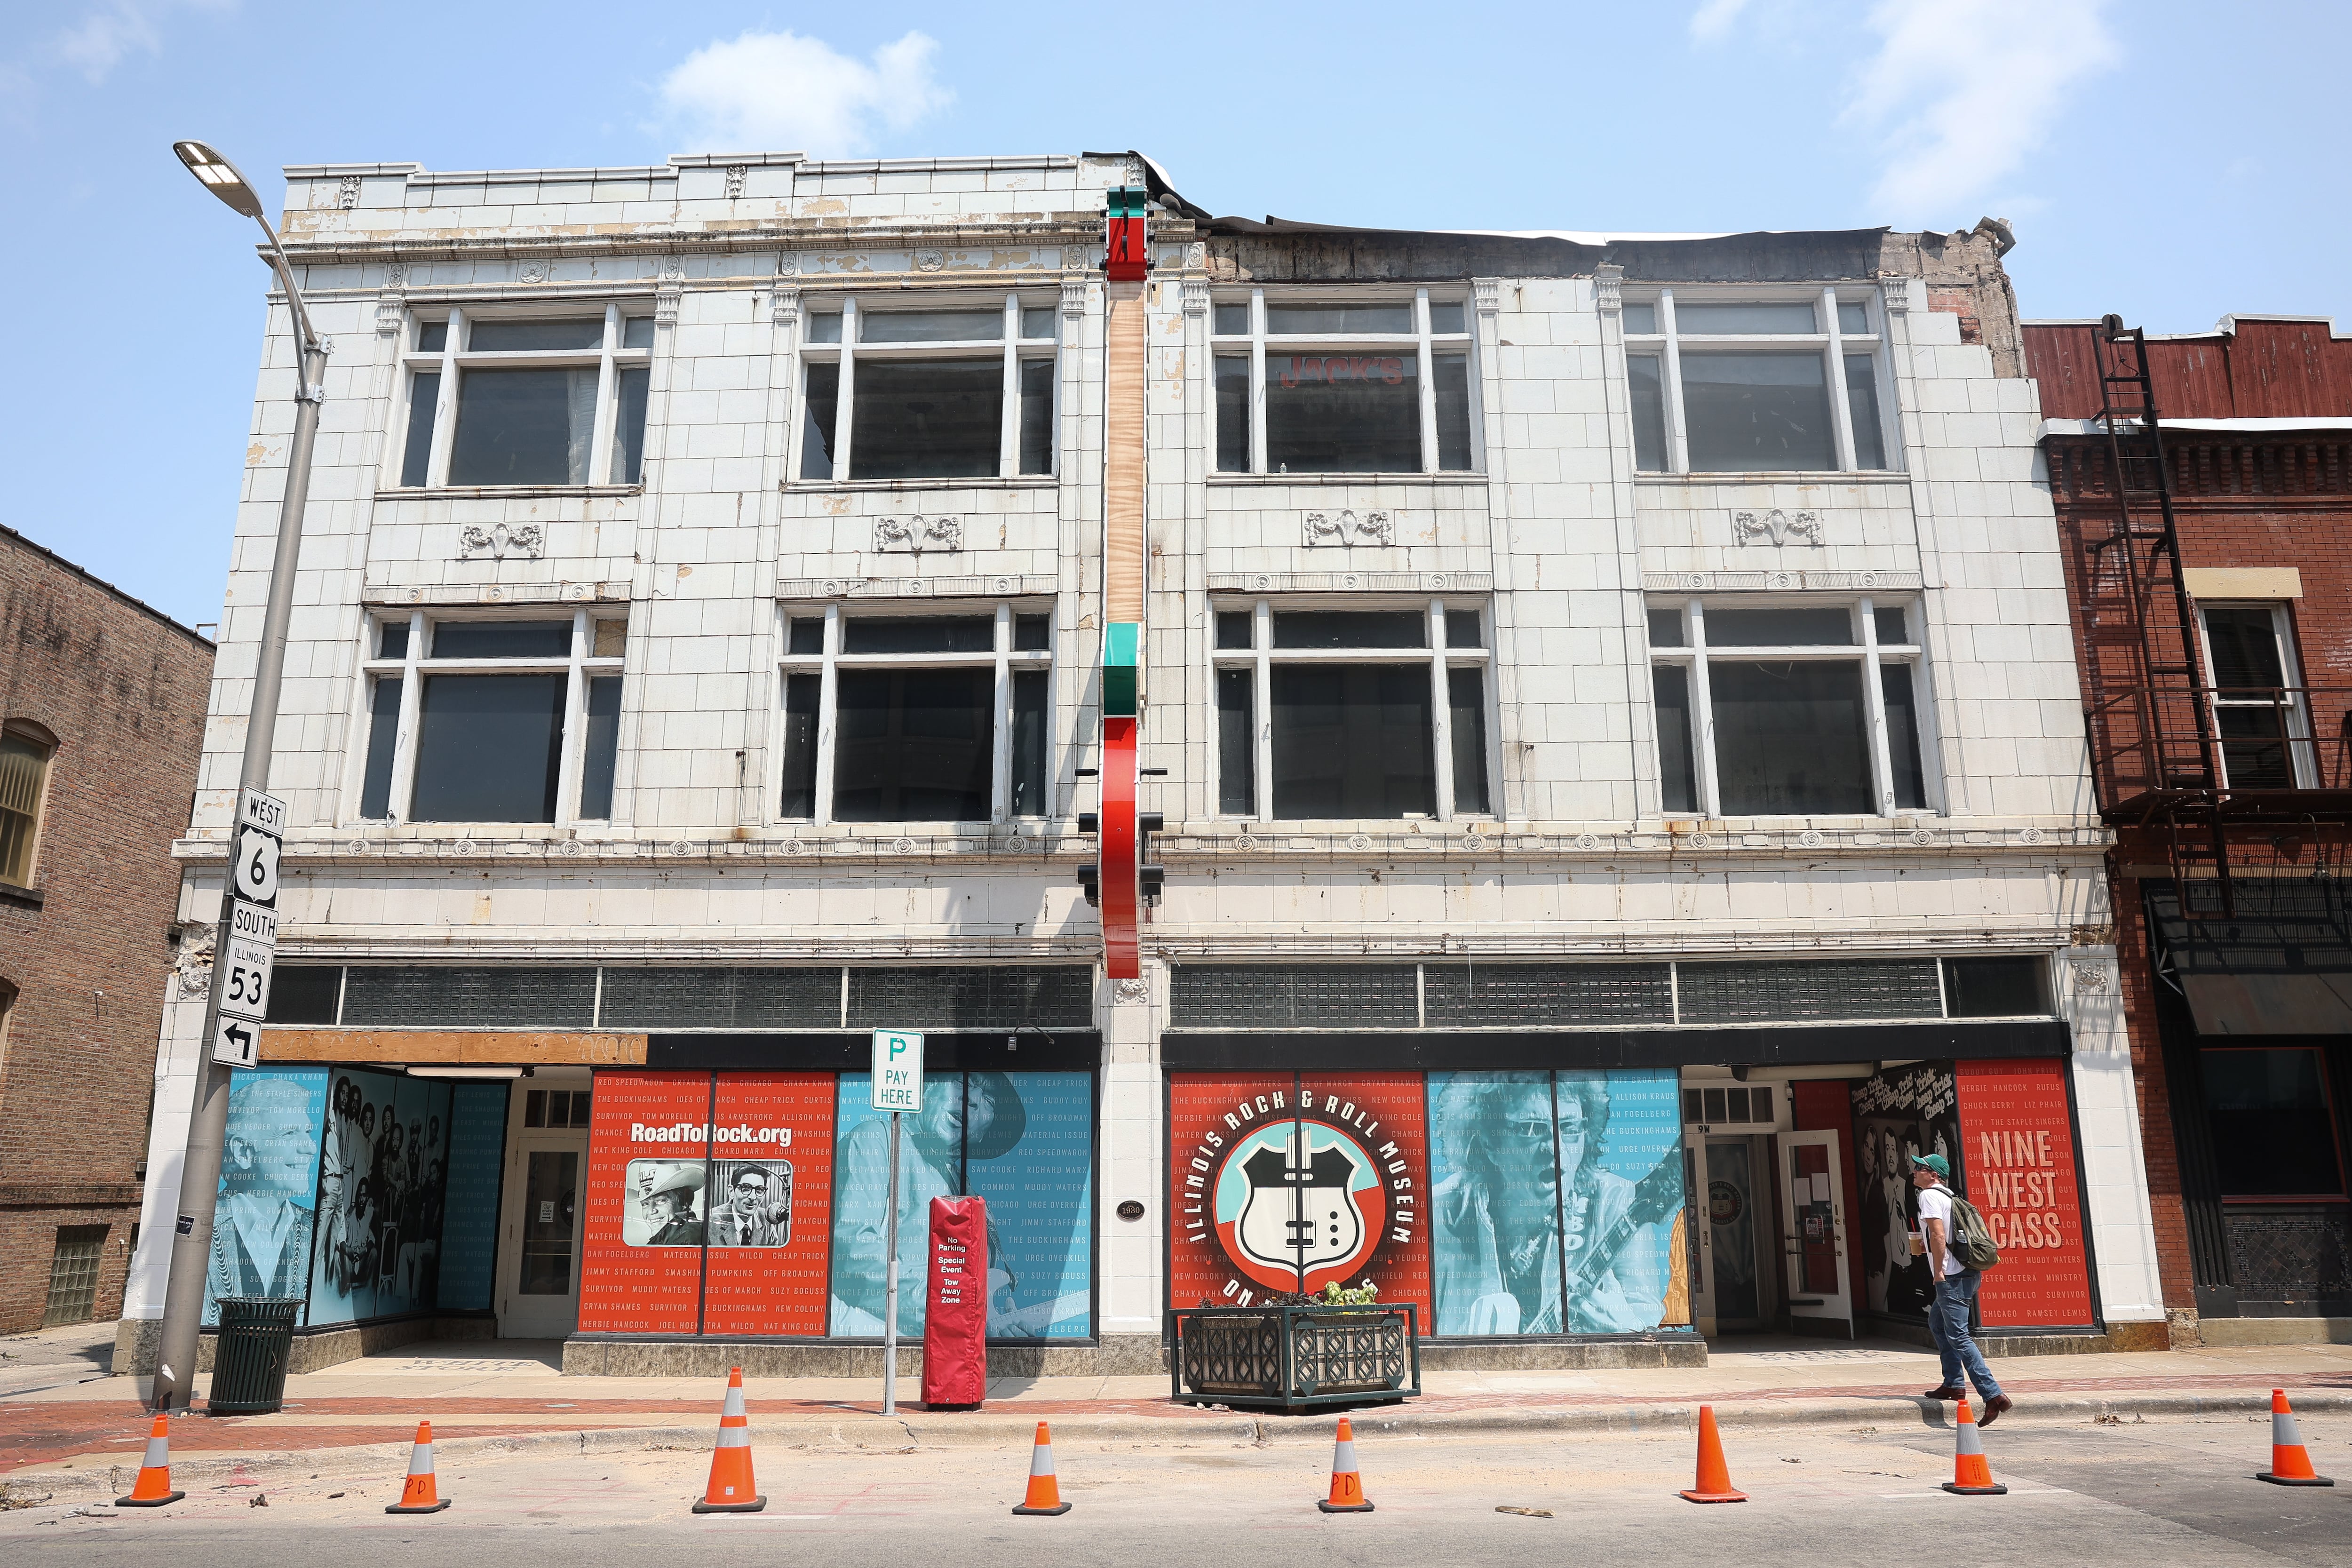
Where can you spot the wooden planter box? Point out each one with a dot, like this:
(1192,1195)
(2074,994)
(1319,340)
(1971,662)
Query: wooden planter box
(1294,1357)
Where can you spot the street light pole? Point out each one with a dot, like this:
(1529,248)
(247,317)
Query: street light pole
(192,1235)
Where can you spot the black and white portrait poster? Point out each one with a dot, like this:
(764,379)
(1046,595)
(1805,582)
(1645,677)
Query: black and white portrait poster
(1900,1112)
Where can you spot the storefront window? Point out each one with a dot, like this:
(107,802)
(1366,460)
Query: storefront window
(2273,1126)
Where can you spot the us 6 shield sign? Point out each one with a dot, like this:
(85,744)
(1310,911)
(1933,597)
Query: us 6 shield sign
(898,1082)
(256,870)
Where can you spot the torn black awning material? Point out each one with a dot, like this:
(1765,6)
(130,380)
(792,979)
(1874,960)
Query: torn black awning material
(2281,963)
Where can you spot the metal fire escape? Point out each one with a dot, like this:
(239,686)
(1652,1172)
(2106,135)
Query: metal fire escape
(2161,758)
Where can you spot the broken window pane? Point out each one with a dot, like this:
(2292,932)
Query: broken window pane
(608,638)
(1028,738)
(1468,724)
(1352,742)
(416,459)
(818,402)
(1450,373)
(1790,737)
(931,326)
(1342,414)
(630,387)
(502,639)
(1233,414)
(523,427)
(1236,743)
(1670,688)
(800,693)
(495,336)
(1350,628)
(1757,411)
(1037,416)
(1862,405)
(1336,321)
(602,748)
(926,420)
(1649,408)
(383,735)
(914,745)
(489,748)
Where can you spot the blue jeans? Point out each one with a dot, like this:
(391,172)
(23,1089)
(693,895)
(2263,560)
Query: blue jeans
(1947,1320)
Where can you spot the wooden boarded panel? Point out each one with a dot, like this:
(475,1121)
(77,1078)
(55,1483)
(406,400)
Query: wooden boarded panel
(1123,455)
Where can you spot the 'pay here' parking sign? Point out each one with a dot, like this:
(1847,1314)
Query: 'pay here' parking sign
(898,1083)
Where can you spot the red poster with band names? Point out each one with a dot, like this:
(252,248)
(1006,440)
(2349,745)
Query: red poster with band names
(2018,1155)
(770,1204)
(641,1268)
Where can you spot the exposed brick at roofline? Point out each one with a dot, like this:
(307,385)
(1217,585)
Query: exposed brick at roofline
(123,690)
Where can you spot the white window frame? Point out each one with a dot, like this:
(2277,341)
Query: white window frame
(1015,348)
(1866,650)
(1834,344)
(1261,655)
(1003,657)
(451,361)
(2294,711)
(1421,342)
(411,669)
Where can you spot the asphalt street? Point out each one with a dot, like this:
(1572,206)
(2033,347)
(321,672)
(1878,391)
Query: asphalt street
(2161,1491)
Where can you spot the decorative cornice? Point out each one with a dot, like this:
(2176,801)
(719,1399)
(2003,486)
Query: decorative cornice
(1606,292)
(1196,303)
(1489,294)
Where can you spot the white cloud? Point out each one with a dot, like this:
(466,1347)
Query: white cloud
(783,93)
(96,45)
(1964,90)
(1713,20)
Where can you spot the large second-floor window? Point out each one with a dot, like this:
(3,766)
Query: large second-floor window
(1329,386)
(1770,385)
(1357,714)
(527,400)
(2259,716)
(940,718)
(482,721)
(1788,710)
(946,393)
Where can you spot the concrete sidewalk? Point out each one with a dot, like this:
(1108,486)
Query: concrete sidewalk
(509,1394)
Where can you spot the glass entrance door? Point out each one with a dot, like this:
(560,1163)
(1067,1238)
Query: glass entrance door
(1734,1286)
(1812,1224)
(539,1234)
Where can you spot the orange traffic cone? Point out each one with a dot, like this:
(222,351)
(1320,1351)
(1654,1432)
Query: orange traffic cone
(731,1489)
(1972,1471)
(417,1494)
(1714,1482)
(1044,1497)
(153,1487)
(1346,1486)
(2290,1461)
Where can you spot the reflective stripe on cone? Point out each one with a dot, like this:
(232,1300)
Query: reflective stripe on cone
(153,1487)
(1045,1494)
(1972,1471)
(2290,1460)
(731,1489)
(1346,1485)
(418,1493)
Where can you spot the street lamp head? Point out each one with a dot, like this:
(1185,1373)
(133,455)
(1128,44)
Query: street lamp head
(219,176)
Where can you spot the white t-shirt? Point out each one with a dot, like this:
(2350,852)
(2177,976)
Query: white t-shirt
(1935,1203)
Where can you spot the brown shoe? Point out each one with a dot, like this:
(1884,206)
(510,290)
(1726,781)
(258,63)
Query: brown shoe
(1994,1409)
(1949,1391)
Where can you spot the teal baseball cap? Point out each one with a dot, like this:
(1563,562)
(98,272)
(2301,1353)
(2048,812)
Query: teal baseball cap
(1936,1163)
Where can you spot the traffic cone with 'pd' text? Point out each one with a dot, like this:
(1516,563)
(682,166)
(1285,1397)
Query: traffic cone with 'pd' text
(418,1494)
(1346,1486)
(153,1487)
(731,1489)
(1045,1495)
(2290,1460)
(1714,1482)
(1972,1471)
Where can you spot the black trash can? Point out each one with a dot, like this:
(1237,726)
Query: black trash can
(257,1336)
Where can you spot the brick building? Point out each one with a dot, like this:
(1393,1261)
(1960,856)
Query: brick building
(1608,698)
(101,714)
(2218,681)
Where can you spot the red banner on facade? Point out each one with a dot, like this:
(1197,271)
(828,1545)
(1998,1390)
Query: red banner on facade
(2018,1156)
(770,1208)
(641,1266)
(955,1319)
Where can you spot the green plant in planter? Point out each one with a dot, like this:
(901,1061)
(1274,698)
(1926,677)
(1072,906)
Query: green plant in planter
(1363,1295)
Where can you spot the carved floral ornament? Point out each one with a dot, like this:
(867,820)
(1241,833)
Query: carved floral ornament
(1347,527)
(1774,526)
(917,534)
(526,541)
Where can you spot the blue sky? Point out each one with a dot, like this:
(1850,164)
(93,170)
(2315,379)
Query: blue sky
(2167,160)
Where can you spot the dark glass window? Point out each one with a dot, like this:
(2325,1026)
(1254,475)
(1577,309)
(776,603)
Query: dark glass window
(305,992)
(391,639)
(1648,389)
(1670,688)
(1641,317)
(495,336)
(2242,643)
(523,427)
(636,331)
(1853,318)
(1037,322)
(1233,411)
(1351,741)
(1336,321)
(1831,627)
(818,404)
(1232,321)
(800,694)
(1445,316)
(489,748)
(926,420)
(929,326)
(918,634)
(431,337)
(1462,630)
(1862,405)
(502,639)
(807,635)
(416,458)
(1746,317)
(913,745)
(383,735)
(1236,743)
(1450,375)
(1233,628)
(1903,752)
(1030,716)
(1030,634)
(1789,739)
(1356,413)
(601,749)
(1994,988)
(629,425)
(2250,714)
(1889,625)
(1666,629)
(2273,1129)
(1467,726)
(1037,416)
(1350,628)
(1757,411)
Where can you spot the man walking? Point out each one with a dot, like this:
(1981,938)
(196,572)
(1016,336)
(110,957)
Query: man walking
(1956,1292)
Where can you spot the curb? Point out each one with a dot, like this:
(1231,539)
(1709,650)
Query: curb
(990,1429)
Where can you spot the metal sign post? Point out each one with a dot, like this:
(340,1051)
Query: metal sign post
(895,1085)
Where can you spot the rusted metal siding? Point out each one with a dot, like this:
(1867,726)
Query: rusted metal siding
(2265,370)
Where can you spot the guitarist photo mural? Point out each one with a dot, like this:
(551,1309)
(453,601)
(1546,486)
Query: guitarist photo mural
(1557,1202)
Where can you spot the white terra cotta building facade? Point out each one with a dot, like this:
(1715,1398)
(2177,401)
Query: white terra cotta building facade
(1624,779)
